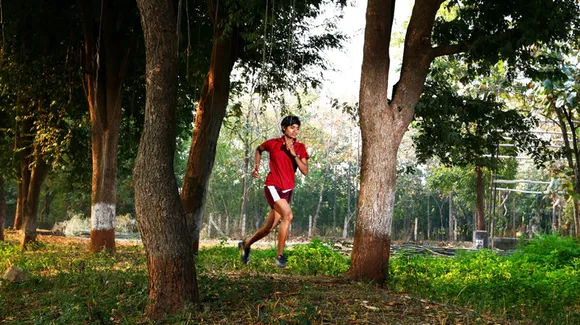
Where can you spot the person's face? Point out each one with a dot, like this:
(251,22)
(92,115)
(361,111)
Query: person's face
(292,131)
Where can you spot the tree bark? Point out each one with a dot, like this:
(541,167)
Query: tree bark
(208,121)
(106,59)
(162,224)
(2,208)
(383,125)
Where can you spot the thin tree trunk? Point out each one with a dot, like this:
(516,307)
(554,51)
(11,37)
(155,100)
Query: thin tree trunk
(208,121)
(2,208)
(162,224)
(348,199)
(257,217)
(334,202)
(514,215)
(455,228)
(24,143)
(428,217)
(441,221)
(576,208)
(227,225)
(245,188)
(317,214)
(451,232)
(245,138)
(415,230)
(47,203)
(560,211)
(106,58)
(37,176)
(22,194)
(572,157)
(209,225)
(479,189)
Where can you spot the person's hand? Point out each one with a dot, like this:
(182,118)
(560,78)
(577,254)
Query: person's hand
(290,146)
(255,173)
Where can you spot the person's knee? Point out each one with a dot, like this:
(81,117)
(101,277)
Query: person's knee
(288,217)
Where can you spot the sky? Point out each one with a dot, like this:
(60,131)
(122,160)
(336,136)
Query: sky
(344,82)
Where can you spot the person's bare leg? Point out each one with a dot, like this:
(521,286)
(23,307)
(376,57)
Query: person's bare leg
(283,208)
(270,223)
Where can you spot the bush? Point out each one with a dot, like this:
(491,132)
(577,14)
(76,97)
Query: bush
(539,282)
(316,258)
(550,250)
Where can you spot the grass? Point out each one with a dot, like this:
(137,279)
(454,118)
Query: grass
(539,283)
(65,285)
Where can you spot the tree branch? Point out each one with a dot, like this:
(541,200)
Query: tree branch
(450,49)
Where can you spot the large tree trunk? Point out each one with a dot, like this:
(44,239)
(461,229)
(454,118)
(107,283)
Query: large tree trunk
(37,176)
(372,237)
(2,208)
(208,121)
(170,264)
(383,125)
(106,65)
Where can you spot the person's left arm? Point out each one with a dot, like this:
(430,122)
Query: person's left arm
(302,164)
(300,156)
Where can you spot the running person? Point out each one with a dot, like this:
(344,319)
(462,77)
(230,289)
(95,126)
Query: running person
(286,155)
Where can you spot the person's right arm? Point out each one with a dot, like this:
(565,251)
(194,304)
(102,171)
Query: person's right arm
(257,158)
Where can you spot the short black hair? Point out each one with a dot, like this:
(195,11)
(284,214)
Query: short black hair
(290,120)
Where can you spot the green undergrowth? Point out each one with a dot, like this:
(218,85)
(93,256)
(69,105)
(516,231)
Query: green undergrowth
(540,282)
(314,258)
(65,285)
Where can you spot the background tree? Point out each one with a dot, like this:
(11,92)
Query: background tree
(556,90)
(36,96)
(482,32)
(245,32)
(111,32)
(465,131)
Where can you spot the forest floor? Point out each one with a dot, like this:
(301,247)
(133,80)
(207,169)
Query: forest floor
(238,296)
